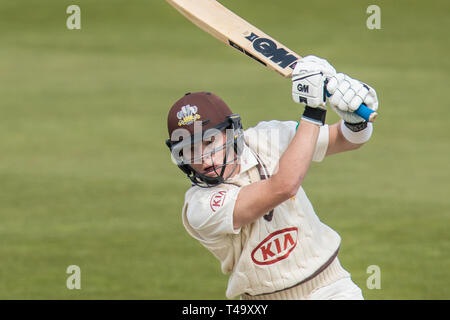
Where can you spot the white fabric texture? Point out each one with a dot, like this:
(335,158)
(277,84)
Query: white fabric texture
(343,289)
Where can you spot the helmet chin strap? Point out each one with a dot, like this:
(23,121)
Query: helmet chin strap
(224,164)
(205,181)
(212,181)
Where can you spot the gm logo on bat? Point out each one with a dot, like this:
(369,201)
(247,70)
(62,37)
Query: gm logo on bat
(269,49)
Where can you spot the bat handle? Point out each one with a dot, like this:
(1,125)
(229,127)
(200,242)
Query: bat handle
(363,111)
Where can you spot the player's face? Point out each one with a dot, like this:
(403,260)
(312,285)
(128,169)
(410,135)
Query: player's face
(212,157)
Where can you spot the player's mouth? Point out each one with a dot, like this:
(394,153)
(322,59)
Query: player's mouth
(209,171)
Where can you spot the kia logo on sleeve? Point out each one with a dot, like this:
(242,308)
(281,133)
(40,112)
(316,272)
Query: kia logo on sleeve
(217,200)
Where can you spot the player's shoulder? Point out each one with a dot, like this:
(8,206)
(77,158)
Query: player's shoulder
(273,124)
(204,203)
(274,134)
(200,195)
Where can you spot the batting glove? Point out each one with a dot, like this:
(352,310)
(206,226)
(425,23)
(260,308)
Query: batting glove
(348,94)
(308,81)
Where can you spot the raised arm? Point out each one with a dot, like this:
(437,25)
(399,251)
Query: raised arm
(258,198)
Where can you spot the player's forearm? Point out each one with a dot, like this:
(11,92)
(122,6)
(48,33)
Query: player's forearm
(338,142)
(256,199)
(295,161)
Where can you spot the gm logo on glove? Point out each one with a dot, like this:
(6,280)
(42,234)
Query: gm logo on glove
(303,88)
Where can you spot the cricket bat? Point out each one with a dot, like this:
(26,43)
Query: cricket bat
(223,24)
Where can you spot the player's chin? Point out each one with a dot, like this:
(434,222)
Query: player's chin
(211,175)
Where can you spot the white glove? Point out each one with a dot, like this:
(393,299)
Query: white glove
(347,94)
(308,81)
(347,116)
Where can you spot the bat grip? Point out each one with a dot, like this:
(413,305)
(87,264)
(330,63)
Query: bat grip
(363,111)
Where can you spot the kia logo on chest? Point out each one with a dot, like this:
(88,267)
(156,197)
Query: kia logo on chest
(275,247)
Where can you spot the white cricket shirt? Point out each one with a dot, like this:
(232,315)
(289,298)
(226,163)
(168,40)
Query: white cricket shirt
(276,251)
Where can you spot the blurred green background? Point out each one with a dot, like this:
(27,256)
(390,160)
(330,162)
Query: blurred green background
(86,179)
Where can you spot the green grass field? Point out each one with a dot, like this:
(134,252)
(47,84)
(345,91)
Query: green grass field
(86,179)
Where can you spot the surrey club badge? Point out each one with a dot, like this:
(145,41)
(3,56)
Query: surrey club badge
(187,115)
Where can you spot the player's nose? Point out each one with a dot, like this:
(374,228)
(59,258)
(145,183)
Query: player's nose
(207,162)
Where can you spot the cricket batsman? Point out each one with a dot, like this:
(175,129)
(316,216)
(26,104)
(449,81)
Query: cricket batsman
(247,205)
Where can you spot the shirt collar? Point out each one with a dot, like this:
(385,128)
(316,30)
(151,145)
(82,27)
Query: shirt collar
(247,159)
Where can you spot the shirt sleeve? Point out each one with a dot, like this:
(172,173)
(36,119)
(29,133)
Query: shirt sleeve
(210,211)
(284,132)
(322,144)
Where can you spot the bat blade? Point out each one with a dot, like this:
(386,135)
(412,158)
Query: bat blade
(228,27)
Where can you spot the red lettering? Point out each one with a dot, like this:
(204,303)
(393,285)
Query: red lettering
(217,200)
(266,251)
(277,243)
(263,254)
(288,238)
